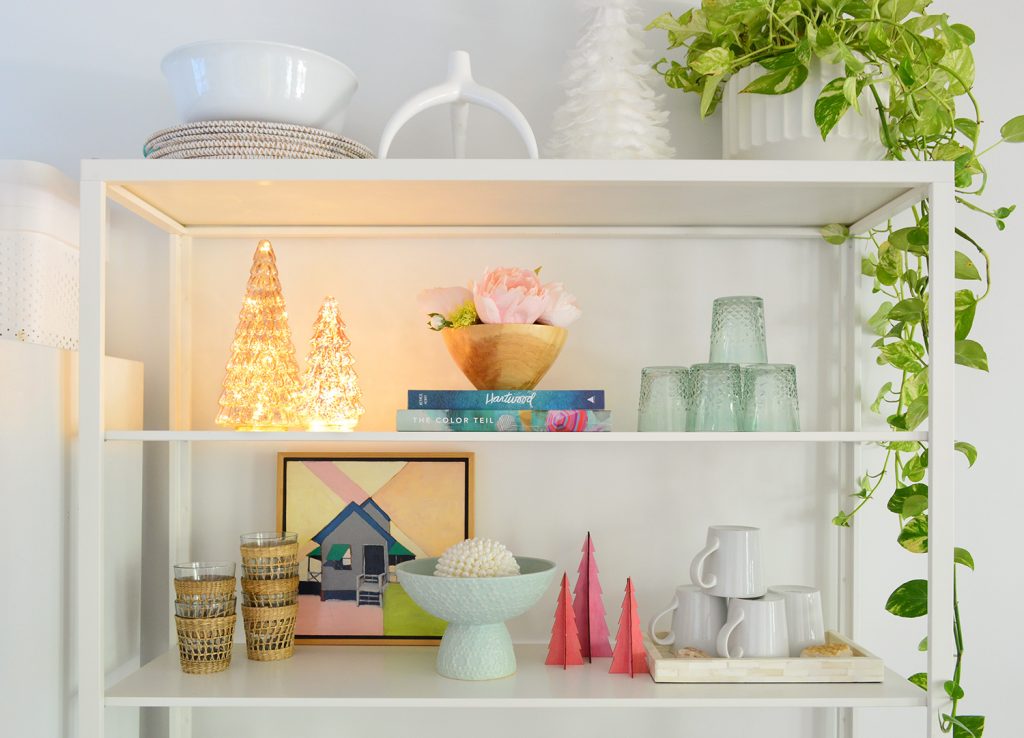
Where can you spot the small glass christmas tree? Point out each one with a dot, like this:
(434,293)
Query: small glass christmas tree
(261,384)
(330,387)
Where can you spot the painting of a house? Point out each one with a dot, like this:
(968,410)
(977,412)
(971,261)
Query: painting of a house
(357,517)
(359,553)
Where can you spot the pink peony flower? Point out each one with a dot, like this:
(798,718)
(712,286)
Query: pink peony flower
(561,309)
(443,301)
(509,295)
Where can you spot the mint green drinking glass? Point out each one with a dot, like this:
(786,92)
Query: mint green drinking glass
(737,331)
(715,399)
(663,398)
(770,400)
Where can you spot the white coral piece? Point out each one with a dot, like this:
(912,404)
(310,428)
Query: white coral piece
(477,557)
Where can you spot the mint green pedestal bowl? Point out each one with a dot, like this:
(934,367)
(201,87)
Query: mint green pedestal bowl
(476,644)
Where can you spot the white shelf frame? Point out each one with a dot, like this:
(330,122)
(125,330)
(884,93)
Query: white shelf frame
(909,182)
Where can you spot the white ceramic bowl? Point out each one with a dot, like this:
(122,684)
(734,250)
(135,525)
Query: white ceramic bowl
(259,80)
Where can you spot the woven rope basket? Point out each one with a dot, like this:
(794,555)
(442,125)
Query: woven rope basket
(204,644)
(250,140)
(270,632)
(270,592)
(270,562)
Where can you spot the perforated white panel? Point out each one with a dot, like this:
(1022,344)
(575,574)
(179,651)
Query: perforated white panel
(38,289)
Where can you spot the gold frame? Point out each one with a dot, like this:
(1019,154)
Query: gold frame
(282,456)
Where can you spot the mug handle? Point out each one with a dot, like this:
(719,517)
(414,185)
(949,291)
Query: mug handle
(735,618)
(650,628)
(697,567)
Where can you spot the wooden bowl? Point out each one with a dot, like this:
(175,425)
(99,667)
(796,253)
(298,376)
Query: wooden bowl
(506,356)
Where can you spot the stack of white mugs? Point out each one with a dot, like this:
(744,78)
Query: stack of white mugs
(729,612)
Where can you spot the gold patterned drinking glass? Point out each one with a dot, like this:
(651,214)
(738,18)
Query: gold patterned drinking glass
(770,398)
(663,391)
(737,331)
(715,398)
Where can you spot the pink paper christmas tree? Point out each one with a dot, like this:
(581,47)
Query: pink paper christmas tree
(589,608)
(629,656)
(564,648)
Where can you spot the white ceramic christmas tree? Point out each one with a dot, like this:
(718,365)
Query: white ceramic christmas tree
(611,110)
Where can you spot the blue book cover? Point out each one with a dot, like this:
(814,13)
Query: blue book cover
(506,399)
(499,421)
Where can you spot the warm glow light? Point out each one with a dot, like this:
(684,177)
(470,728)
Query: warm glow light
(261,383)
(330,387)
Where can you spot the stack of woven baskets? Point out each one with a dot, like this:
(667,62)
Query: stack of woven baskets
(270,592)
(204,613)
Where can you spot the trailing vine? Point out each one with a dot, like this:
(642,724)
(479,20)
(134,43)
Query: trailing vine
(915,67)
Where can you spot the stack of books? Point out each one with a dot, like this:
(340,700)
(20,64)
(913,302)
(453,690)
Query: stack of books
(524,411)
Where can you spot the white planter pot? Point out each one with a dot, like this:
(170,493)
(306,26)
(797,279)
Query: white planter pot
(782,126)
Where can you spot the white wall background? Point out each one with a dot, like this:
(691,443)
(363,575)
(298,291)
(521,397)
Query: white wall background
(82,80)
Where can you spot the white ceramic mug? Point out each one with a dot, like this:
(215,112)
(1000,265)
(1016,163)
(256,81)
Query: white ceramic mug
(730,564)
(696,621)
(803,615)
(755,628)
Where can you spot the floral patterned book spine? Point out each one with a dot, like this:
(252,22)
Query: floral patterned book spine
(498,421)
(505,399)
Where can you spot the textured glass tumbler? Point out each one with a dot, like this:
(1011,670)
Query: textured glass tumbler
(663,393)
(770,398)
(737,331)
(715,398)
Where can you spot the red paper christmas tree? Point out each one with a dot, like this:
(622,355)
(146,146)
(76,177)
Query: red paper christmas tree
(564,648)
(589,608)
(629,656)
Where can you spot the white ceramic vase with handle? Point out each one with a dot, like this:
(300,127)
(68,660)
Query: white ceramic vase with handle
(755,628)
(730,564)
(803,616)
(756,126)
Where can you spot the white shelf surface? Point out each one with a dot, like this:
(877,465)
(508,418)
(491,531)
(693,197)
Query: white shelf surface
(384,676)
(247,195)
(488,437)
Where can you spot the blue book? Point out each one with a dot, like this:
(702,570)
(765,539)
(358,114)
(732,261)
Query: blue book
(506,399)
(499,421)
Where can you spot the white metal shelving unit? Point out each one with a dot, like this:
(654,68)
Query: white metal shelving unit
(466,198)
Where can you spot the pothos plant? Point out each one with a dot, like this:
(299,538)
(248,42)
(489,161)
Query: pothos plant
(919,71)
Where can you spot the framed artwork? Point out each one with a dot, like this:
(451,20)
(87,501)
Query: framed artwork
(357,516)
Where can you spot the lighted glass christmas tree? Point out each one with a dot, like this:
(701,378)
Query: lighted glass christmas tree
(261,384)
(330,387)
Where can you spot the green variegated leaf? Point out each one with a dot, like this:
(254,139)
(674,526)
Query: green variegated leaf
(879,321)
(835,233)
(953,690)
(709,96)
(778,82)
(917,412)
(713,62)
(1013,130)
(923,645)
(914,536)
(901,495)
(966,304)
(970,353)
(969,451)
(908,311)
(967,127)
(914,505)
(963,557)
(965,268)
(967,726)
(920,679)
(830,106)
(877,404)
(909,600)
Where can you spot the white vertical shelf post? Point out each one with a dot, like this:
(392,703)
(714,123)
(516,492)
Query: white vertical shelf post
(179,487)
(850,460)
(941,481)
(89,500)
